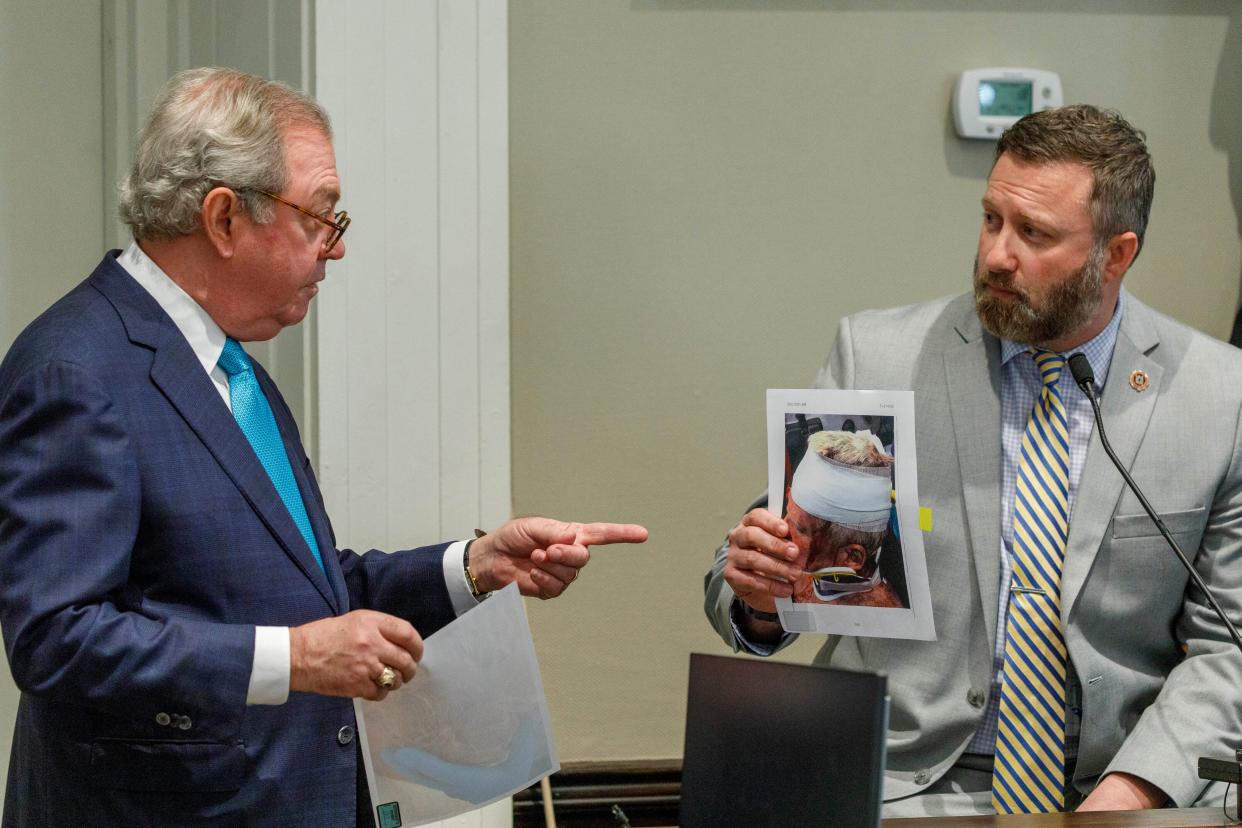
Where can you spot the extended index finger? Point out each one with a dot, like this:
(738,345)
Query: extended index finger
(595,534)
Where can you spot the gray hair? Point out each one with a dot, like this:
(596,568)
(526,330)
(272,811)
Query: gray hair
(848,449)
(1124,180)
(212,127)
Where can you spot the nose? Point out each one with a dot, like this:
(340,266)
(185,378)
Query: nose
(996,251)
(337,251)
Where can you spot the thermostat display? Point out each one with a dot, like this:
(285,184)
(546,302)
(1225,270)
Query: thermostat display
(986,101)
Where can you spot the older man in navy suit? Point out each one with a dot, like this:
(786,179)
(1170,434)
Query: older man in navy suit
(185,633)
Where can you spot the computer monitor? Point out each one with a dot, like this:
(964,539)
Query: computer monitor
(774,744)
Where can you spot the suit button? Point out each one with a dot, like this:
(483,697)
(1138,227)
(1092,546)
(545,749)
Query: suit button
(922,777)
(185,723)
(976,698)
(345,735)
(162,719)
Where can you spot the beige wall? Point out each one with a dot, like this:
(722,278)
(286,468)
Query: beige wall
(51,143)
(700,190)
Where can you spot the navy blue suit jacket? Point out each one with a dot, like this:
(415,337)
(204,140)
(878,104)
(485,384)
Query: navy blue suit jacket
(140,543)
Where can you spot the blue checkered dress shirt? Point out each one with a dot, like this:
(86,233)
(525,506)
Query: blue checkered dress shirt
(1020,386)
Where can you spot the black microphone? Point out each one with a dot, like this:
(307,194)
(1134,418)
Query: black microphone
(1222,770)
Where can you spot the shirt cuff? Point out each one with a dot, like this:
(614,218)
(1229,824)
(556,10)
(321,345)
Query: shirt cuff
(743,643)
(455,578)
(269,676)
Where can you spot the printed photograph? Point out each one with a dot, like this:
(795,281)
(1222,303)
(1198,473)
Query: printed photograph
(843,473)
(840,506)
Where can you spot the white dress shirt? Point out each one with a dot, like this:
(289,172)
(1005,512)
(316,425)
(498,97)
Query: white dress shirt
(269,674)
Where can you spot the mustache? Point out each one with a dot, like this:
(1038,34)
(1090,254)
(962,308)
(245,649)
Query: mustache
(1003,281)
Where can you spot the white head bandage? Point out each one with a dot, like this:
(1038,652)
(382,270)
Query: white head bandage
(855,496)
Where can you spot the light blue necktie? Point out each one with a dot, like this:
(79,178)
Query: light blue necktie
(254,415)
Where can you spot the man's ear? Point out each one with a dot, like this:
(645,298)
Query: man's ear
(221,210)
(852,555)
(1119,255)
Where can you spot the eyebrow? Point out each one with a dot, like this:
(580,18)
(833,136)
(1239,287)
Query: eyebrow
(331,194)
(1042,221)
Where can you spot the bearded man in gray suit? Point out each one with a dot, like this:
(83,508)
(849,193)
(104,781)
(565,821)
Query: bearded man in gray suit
(1148,679)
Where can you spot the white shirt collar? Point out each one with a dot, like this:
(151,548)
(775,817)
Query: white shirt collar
(199,329)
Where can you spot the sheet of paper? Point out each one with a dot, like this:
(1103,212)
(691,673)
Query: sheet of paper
(470,728)
(862,548)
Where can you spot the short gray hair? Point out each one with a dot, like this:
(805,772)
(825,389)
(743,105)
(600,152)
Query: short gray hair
(212,127)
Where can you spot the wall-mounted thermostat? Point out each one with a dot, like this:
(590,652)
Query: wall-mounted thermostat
(986,101)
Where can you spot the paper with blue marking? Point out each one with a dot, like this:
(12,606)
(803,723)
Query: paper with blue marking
(471,727)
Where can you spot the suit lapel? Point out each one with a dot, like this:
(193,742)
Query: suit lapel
(321,526)
(975,408)
(1126,413)
(180,377)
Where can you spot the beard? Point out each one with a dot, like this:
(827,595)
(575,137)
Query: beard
(1066,307)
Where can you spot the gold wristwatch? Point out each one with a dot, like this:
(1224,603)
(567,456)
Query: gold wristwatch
(478,594)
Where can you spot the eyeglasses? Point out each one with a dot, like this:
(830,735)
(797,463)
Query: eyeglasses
(339,221)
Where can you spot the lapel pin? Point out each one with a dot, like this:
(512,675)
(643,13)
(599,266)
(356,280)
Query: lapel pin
(1139,380)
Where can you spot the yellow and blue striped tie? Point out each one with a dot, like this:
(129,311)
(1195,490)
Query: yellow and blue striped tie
(1029,771)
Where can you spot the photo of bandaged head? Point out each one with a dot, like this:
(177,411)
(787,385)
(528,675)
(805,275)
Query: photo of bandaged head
(839,505)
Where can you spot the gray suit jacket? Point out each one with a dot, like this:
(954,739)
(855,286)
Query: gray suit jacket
(1162,682)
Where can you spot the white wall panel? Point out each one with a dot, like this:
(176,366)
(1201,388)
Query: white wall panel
(411,169)
(495,499)
(459,260)
(413,330)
